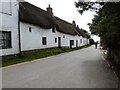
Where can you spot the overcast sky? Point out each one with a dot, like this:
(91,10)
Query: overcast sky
(66,10)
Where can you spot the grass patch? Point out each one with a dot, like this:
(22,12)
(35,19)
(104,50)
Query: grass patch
(29,56)
(114,66)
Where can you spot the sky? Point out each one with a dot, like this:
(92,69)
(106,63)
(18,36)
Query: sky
(66,10)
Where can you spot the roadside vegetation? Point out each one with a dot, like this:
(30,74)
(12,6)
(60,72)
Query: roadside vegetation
(33,55)
(114,67)
(105,24)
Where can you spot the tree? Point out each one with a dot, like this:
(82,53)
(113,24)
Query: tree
(91,41)
(106,24)
(85,5)
(106,21)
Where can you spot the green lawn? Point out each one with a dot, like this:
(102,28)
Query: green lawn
(29,56)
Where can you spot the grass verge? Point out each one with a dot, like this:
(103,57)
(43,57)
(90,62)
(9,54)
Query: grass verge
(114,66)
(30,56)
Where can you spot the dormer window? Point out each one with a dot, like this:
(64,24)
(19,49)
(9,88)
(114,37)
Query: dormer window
(53,29)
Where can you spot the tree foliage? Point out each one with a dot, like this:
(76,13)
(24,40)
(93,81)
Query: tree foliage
(85,5)
(91,41)
(106,22)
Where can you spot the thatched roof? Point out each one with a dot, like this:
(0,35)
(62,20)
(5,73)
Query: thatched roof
(37,16)
(66,27)
(82,33)
(34,15)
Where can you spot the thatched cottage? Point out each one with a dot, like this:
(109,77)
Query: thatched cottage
(26,27)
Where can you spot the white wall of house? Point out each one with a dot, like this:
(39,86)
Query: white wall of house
(9,22)
(30,40)
(33,40)
(86,41)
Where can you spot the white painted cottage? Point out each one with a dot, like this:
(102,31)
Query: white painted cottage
(25,27)
(9,40)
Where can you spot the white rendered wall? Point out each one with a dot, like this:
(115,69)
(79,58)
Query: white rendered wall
(10,23)
(30,40)
(33,40)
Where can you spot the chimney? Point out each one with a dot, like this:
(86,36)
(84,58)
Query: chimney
(77,26)
(49,9)
(74,23)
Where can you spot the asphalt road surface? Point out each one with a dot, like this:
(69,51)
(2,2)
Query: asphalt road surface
(83,68)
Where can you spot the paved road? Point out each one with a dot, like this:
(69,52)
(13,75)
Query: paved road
(78,69)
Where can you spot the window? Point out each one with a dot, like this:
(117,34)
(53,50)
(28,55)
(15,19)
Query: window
(5,40)
(30,29)
(44,41)
(63,36)
(80,40)
(55,40)
(72,42)
(6,7)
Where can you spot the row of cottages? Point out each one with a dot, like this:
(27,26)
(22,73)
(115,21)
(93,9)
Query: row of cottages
(25,27)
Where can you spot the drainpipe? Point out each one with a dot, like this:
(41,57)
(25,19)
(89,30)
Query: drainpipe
(20,52)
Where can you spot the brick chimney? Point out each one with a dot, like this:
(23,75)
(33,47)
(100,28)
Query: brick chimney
(74,23)
(77,26)
(49,9)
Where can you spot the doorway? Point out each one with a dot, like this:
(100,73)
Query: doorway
(59,42)
(76,43)
(71,43)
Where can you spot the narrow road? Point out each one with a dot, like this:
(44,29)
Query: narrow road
(83,68)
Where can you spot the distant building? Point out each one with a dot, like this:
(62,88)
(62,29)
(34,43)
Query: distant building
(26,27)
